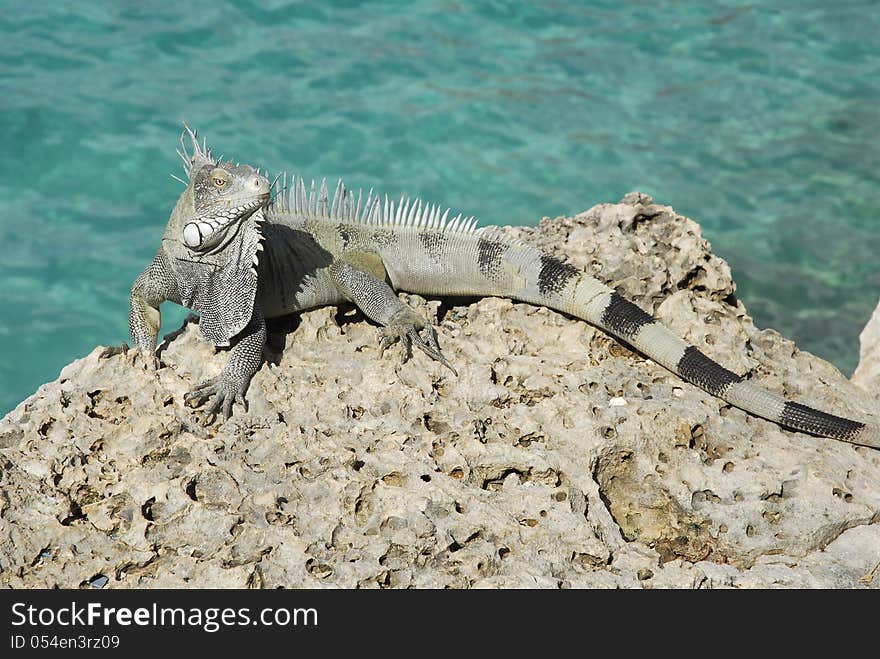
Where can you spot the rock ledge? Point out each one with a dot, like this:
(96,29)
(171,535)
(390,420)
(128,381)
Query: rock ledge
(558,458)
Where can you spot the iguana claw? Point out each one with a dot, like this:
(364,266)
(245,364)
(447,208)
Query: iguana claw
(408,335)
(224,392)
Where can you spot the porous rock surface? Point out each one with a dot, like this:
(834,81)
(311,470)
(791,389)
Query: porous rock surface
(557,458)
(867,373)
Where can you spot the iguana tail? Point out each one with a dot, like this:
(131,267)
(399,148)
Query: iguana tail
(550,282)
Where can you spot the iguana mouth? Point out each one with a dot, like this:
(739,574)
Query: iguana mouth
(207,232)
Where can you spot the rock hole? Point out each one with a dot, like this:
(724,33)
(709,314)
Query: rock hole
(447,304)
(45,552)
(45,427)
(98,581)
(74,515)
(191,490)
(842,494)
(147,509)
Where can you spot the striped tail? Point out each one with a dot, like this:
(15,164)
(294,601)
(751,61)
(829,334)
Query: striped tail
(568,289)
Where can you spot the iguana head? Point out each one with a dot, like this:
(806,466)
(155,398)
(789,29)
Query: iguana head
(213,240)
(217,199)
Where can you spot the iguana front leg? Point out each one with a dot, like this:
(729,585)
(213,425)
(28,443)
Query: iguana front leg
(231,385)
(152,287)
(356,278)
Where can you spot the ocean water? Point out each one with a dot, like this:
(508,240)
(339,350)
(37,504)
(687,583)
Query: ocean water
(759,121)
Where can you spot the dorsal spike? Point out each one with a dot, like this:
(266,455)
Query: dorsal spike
(323,199)
(367,206)
(313,198)
(385,210)
(394,212)
(443,219)
(183,153)
(283,193)
(185,158)
(377,211)
(338,197)
(416,213)
(357,208)
(402,208)
(413,212)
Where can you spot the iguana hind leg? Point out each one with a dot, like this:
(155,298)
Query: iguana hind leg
(361,279)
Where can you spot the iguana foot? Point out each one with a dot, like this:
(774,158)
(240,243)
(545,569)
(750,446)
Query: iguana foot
(407,333)
(225,393)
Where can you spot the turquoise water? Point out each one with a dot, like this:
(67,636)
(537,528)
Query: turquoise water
(760,122)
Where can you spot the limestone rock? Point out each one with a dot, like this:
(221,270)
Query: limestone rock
(557,457)
(867,373)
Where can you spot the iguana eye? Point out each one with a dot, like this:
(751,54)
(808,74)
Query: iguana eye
(219,178)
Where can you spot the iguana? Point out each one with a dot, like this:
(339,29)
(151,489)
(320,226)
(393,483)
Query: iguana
(238,258)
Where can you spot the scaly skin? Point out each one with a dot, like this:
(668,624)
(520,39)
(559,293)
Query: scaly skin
(318,252)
